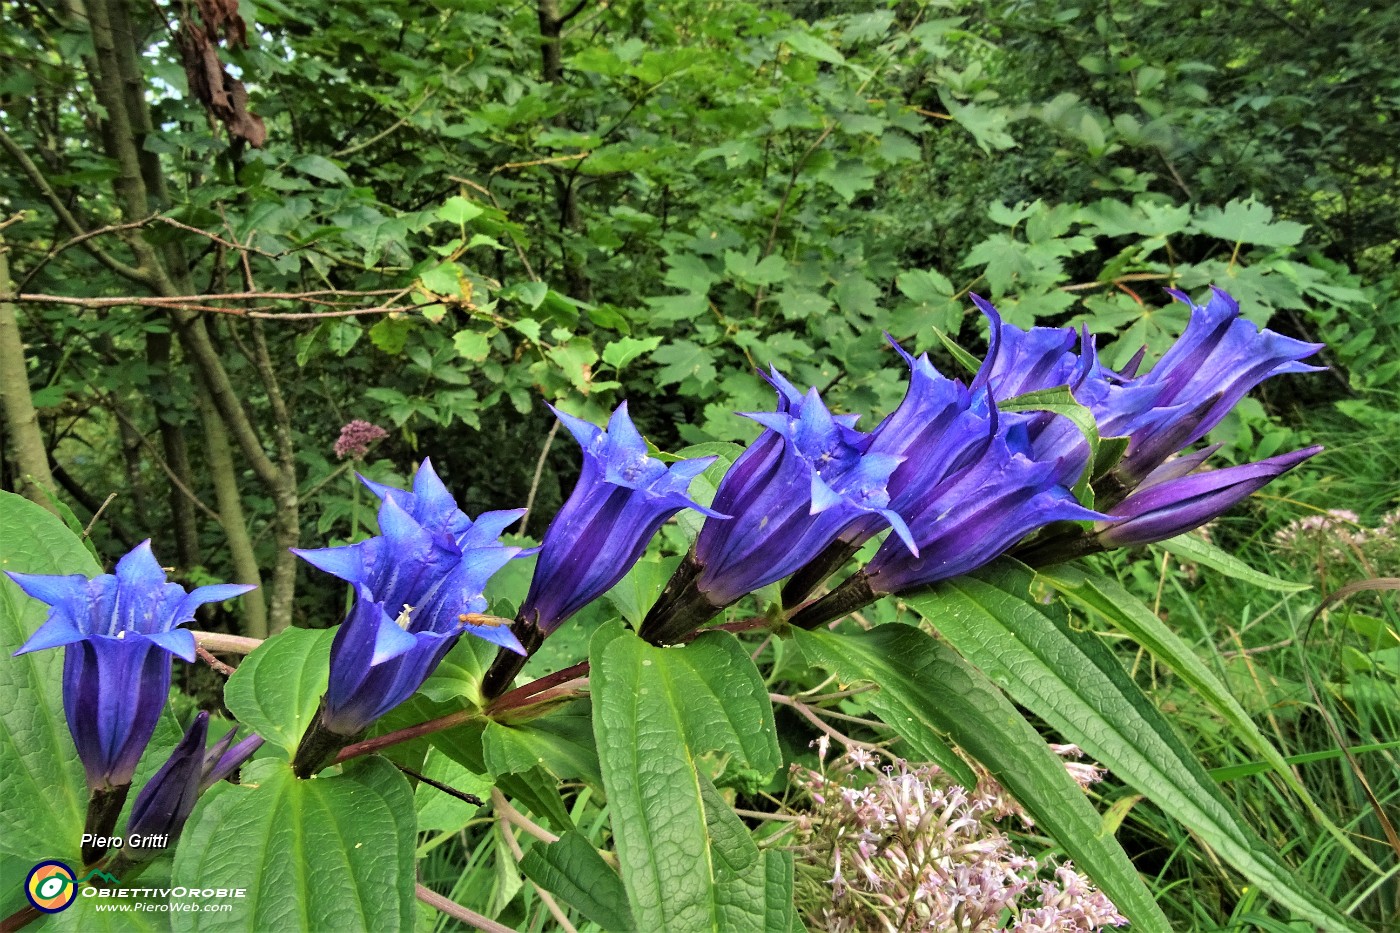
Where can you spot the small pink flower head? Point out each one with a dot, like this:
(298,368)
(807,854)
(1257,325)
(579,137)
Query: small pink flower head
(356,438)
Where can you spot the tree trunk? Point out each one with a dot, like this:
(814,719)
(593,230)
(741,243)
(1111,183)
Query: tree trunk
(119,86)
(177,455)
(219,459)
(21,421)
(565,192)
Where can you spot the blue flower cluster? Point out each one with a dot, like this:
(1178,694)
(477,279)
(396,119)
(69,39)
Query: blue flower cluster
(955,475)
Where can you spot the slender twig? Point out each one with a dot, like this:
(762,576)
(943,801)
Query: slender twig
(451,720)
(392,128)
(1250,652)
(450,791)
(551,160)
(200,303)
(98,514)
(765,815)
(215,663)
(224,643)
(519,250)
(806,713)
(513,816)
(837,695)
(539,469)
(578,8)
(503,809)
(66,217)
(523,696)
(457,912)
(165,467)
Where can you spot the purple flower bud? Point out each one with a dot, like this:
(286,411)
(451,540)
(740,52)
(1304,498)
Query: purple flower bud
(119,631)
(1215,363)
(976,515)
(804,481)
(622,497)
(1171,500)
(168,798)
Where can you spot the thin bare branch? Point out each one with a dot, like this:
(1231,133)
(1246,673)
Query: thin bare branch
(200,304)
(539,468)
(65,216)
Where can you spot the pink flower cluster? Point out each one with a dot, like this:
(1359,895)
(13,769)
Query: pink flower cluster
(1339,534)
(356,438)
(909,850)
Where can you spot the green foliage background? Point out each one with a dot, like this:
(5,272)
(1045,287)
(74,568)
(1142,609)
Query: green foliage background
(650,201)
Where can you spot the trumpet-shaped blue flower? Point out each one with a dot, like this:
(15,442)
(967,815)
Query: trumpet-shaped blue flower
(804,481)
(418,586)
(1217,360)
(969,519)
(976,515)
(119,631)
(1173,499)
(1023,361)
(622,497)
(939,428)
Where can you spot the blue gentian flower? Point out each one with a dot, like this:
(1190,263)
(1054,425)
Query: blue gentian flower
(418,587)
(976,515)
(806,479)
(796,488)
(1024,361)
(622,497)
(1217,360)
(968,520)
(1020,361)
(165,803)
(939,427)
(119,631)
(1173,499)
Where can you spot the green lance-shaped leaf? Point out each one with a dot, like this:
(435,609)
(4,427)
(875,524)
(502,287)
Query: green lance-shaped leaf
(572,870)
(1109,599)
(1073,682)
(1193,549)
(329,853)
(276,689)
(959,701)
(687,861)
(41,780)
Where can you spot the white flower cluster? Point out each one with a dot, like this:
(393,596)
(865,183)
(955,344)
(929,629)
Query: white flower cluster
(1339,535)
(910,850)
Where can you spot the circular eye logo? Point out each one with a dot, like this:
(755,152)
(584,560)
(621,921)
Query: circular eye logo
(50,886)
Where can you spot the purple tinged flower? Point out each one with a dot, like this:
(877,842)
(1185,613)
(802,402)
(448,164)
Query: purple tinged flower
(1173,500)
(356,438)
(1020,361)
(119,631)
(418,586)
(804,481)
(976,515)
(168,798)
(1215,363)
(621,499)
(939,427)
(1023,361)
